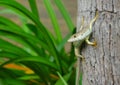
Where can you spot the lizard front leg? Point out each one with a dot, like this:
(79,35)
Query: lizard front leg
(79,71)
(77,53)
(94,43)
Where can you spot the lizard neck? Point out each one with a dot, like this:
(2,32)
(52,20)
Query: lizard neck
(77,44)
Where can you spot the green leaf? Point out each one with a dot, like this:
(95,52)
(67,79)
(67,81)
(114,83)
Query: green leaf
(33,7)
(10,48)
(41,29)
(81,76)
(1,82)
(9,55)
(6,46)
(38,59)
(29,77)
(20,16)
(13,29)
(60,46)
(28,44)
(53,19)
(65,14)
(33,28)
(38,48)
(24,44)
(8,81)
(63,80)
(16,6)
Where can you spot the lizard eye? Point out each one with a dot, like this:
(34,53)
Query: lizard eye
(74,36)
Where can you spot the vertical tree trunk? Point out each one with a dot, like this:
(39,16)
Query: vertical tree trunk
(102,63)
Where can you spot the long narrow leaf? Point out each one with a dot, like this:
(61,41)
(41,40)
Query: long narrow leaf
(33,7)
(28,77)
(30,42)
(16,6)
(32,59)
(15,29)
(65,14)
(23,43)
(6,46)
(62,43)
(53,19)
(63,79)
(9,55)
(11,81)
(42,29)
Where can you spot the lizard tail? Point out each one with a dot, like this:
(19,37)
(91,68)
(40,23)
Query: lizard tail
(92,21)
(82,24)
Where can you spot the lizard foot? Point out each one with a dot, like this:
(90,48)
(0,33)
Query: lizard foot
(94,43)
(81,57)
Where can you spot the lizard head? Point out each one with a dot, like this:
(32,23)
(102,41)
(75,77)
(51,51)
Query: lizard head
(79,36)
(84,31)
(73,38)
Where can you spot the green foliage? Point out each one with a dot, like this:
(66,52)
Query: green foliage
(37,48)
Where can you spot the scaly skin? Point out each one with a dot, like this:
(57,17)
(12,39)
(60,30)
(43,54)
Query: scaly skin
(78,38)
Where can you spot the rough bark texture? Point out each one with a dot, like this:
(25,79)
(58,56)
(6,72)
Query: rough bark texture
(102,63)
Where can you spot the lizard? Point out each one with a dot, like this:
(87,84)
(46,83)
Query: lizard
(78,38)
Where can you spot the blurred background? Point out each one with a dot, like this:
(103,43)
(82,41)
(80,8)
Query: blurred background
(70,5)
(50,54)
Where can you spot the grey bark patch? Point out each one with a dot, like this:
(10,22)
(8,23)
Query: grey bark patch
(102,63)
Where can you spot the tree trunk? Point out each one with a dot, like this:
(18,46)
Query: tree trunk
(102,63)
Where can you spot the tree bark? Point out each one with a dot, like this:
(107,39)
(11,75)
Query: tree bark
(102,63)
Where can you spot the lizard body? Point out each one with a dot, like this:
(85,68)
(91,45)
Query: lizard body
(78,38)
